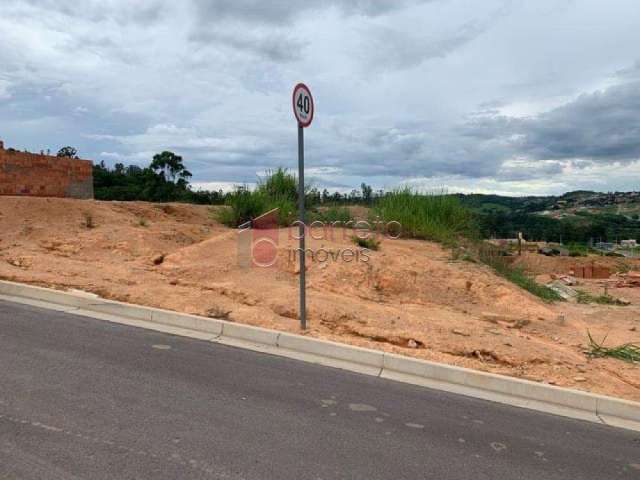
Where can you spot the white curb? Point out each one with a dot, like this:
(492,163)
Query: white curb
(487,386)
(332,354)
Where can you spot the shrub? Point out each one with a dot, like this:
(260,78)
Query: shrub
(577,250)
(286,209)
(244,206)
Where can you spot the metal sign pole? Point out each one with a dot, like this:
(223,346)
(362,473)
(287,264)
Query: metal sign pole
(303,110)
(301,234)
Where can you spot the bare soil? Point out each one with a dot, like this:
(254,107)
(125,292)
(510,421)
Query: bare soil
(410,297)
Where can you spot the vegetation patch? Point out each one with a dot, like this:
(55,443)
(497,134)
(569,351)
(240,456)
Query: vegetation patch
(332,214)
(585,297)
(629,352)
(577,249)
(434,216)
(498,261)
(277,190)
(371,243)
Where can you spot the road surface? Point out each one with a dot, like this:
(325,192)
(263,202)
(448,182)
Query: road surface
(87,399)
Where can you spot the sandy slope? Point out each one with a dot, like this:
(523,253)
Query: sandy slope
(410,298)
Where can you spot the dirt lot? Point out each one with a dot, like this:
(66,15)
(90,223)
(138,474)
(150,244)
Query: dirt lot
(409,298)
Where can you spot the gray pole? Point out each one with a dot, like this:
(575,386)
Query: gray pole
(301,231)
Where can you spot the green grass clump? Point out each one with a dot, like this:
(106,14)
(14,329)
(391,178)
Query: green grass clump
(585,297)
(371,243)
(435,216)
(628,352)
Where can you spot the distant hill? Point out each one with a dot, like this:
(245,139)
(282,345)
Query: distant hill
(578,216)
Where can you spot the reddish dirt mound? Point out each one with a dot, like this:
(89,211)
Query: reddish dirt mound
(410,297)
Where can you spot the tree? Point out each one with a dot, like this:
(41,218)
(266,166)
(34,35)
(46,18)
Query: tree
(170,166)
(68,152)
(367,193)
(313,196)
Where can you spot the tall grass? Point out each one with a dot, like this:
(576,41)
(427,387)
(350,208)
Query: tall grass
(287,209)
(279,184)
(433,216)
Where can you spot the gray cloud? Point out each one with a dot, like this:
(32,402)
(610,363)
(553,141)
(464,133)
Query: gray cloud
(601,127)
(481,96)
(630,73)
(123,11)
(273,46)
(281,12)
(240,24)
(388,48)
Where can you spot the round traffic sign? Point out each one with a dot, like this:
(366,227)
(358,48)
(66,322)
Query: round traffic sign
(303,105)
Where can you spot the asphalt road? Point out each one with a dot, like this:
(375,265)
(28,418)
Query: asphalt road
(82,398)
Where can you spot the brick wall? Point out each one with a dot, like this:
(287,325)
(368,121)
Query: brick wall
(591,271)
(44,175)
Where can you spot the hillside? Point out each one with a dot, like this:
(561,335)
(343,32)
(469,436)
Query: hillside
(410,298)
(580,216)
(596,202)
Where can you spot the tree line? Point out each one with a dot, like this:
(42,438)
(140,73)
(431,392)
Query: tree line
(166,179)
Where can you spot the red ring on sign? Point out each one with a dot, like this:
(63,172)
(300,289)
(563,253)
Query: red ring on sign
(293,103)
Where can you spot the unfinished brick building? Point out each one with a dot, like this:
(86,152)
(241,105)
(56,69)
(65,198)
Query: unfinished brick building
(41,175)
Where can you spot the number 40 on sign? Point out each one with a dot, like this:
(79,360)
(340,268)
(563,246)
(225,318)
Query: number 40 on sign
(303,105)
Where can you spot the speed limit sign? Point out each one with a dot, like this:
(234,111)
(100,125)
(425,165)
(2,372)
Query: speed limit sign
(303,105)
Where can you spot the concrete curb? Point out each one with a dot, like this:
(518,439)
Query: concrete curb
(487,386)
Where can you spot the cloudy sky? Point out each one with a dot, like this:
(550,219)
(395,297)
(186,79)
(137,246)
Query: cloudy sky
(507,96)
